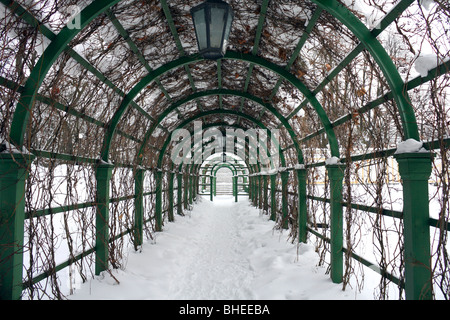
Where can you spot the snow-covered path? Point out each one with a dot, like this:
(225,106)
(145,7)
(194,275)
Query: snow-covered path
(222,250)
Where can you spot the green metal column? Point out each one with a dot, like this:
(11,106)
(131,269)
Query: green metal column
(284,198)
(170,197)
(103,175)
(180,193)
(211,188)
(158,200)
(138,208)
(415,170)
(14,170)
(250,187)
(215,186)
(273,189)
(254,188)
(186,189)
(235,186)
(302,206)
(266,200)
(190,187)
(336,175)
(260,191)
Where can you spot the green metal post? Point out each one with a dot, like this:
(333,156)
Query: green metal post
(255,191)
(415,170)
(250,186)
(235,182)
(266,200)
(260,191)
(190,187)
(158,200)
(14,170)
(186,190)
(180,194)
(336,175)
(139,208)
(103,175)
(273,189)
(302,212)
(284,198)
(170,197)
(215,186)
(211,188)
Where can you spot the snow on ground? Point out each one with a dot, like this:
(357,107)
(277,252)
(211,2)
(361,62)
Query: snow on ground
(221,250)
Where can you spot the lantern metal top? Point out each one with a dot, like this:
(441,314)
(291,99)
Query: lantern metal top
(212,23)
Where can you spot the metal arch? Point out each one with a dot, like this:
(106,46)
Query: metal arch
(334,146)
(249,167)
(223,165)
(40,70)
(376,50)
(203,146)
(203,114)
(55,48)
(246,95)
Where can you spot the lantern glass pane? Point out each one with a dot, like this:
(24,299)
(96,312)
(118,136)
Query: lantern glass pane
(217,24)
(200,28)
(227,31)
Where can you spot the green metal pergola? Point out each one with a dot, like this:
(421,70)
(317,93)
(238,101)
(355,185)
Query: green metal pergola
(414,168)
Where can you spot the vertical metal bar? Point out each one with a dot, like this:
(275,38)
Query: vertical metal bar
(138,208)
(14,170)
(158,200)
(336,175)
(180,193)
(211,188)
(415,170)
(273,190)
(284,199)
(103,175)
(302,207)
(170,196)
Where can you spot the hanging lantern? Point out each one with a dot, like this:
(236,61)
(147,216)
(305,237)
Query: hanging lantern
(212,22)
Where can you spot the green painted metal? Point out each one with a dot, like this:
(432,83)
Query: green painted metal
(233,170)
(179,193)
(34,81)
(128,99)
(138,208)
(311,23)
(103,174)
(336,175)
(273,189)
(14,170)
(384,22)
(158,200)
(265,195)
(334,146)
(284,198)
(170,198)
(135,50)
(209,125)
(302,206)
(370,42)
(180,48)
(415,170)
(229,55)
(203,114)
(221,92)
(259,28)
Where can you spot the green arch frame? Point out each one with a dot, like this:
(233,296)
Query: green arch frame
(57,46)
